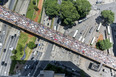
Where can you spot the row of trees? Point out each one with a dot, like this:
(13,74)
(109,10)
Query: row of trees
(108,17)
(69,10)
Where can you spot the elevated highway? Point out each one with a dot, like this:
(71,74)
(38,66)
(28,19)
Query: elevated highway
(57,37)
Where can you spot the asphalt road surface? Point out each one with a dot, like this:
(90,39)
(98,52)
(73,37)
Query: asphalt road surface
(37,64)
(7,54)
(3,36)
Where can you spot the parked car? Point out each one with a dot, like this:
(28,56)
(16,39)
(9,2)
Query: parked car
(32,58)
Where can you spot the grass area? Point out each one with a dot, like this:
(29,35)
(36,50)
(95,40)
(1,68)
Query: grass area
(23,40)
(31,12)
(28,50)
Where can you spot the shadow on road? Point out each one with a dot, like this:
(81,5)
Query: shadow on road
(23,68)
(113,27)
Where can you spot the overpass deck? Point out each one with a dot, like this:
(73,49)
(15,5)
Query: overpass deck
(57,37)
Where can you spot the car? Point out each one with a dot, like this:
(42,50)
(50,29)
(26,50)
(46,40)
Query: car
(81,32)
(23,14)
(3,32)
(5,64)
(11,37)
(0,45)
(15,35)
(90,30)
(32,58)
(25,66)
(11,48)
(29,74)
(4,50)
(47,23)
(2,63)
(29,66)
(73,69)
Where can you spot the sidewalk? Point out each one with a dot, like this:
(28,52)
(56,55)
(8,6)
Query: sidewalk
(40,4)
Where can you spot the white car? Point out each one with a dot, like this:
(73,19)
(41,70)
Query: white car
(3,32)
(11,48)
(29,66)
(29,74)
(25,66)
(0,45)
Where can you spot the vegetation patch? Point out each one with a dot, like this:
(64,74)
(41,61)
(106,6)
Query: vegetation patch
(19,52)
(31,10)
(108,16)
(68,11)
(103,44)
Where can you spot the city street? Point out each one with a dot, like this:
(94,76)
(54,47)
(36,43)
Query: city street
(6,56)
(39,59)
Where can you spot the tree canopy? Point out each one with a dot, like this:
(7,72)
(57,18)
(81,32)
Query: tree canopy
(31,45)
(51,8)
(14,51)
(108,16)
(83,7)
(104,44)
(68,13)
(13,57)
(69,10)
(36,8)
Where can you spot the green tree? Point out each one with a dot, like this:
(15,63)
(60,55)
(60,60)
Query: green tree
(68,13)
(83,7)
(34,3)
(31,45)
(21,53)
(14,51)
(20,47)
(36,8)
(104,44)
(108,16)
(51,8)
(13,57)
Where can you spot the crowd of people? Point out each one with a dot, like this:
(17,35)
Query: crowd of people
(57,37)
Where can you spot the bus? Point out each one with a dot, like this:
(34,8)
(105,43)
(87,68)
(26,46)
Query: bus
(92,40)
(80,38)
(83,40)
(108,29)
(98,27)
(75,33)
(111,40)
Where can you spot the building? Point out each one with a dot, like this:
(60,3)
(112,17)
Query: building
(47,73)
(95,67)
